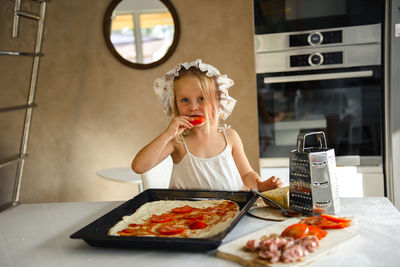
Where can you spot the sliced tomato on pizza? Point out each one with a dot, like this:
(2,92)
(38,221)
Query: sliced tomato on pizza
(184,209)
(161,218)
(170,229)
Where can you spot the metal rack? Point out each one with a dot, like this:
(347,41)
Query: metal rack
(28,107)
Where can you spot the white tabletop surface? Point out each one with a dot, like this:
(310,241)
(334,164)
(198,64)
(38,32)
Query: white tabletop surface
(125,175)
(38,235)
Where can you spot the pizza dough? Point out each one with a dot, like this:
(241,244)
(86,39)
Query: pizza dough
(213,216)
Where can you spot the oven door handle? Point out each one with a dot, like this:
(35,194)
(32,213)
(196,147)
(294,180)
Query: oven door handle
(317,77)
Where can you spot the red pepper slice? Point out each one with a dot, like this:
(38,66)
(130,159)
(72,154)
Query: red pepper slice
(335,225)
(325,223)
(296,231)
(336,218)
(170,230)
(184,209)
(161,218)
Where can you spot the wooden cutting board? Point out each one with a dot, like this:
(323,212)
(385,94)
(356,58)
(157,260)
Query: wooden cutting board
(234,251)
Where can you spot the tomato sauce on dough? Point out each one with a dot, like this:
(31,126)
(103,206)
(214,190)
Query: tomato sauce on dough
(182,221)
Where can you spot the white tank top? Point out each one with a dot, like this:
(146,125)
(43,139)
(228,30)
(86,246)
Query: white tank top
(216,173)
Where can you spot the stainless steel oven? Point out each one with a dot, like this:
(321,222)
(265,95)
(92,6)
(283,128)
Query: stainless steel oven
(274,16)
(322,79)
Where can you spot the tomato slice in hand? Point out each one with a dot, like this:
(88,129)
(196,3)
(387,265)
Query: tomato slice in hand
(161,218)
(198,120)
(197,225)
(296,231)
(317,221)
(184,209)
(316,231)
(335,218)
(170,230)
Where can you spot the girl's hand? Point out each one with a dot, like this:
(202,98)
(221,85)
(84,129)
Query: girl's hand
(269,184)
(178,125)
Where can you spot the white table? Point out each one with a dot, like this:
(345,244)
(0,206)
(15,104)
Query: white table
(38,235)
(124,175)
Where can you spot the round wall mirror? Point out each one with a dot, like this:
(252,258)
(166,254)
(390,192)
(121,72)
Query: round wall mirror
(141,34)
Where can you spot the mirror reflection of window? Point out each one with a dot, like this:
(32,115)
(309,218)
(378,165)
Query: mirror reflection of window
(157,33)
(122,36)
(142,33)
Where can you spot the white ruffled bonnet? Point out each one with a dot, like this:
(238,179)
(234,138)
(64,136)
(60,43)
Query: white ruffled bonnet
(165,93)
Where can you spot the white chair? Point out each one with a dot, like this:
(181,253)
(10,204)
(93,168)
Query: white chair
(159,176)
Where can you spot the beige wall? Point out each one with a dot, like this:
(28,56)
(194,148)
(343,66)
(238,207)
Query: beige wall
(93,112)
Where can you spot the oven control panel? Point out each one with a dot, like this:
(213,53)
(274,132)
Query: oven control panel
(316,59)
(315,38)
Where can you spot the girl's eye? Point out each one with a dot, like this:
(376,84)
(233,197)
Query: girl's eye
(201,99)
(184,100)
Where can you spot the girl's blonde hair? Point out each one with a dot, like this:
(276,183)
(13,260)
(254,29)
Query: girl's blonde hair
(209,89)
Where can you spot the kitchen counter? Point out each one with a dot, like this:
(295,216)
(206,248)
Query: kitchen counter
(38,235)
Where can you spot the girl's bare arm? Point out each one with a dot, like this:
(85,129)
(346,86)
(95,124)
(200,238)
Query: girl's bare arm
(162,146)
(250,178)
(153,153)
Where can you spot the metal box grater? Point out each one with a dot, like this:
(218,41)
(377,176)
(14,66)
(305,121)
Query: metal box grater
(313,182)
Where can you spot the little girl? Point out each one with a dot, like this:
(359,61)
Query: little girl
(194,95)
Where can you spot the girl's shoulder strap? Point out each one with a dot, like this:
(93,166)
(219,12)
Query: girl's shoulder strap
(222,128)
(184,143)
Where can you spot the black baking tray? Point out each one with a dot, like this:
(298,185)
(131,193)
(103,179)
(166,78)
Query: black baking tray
(95,233)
